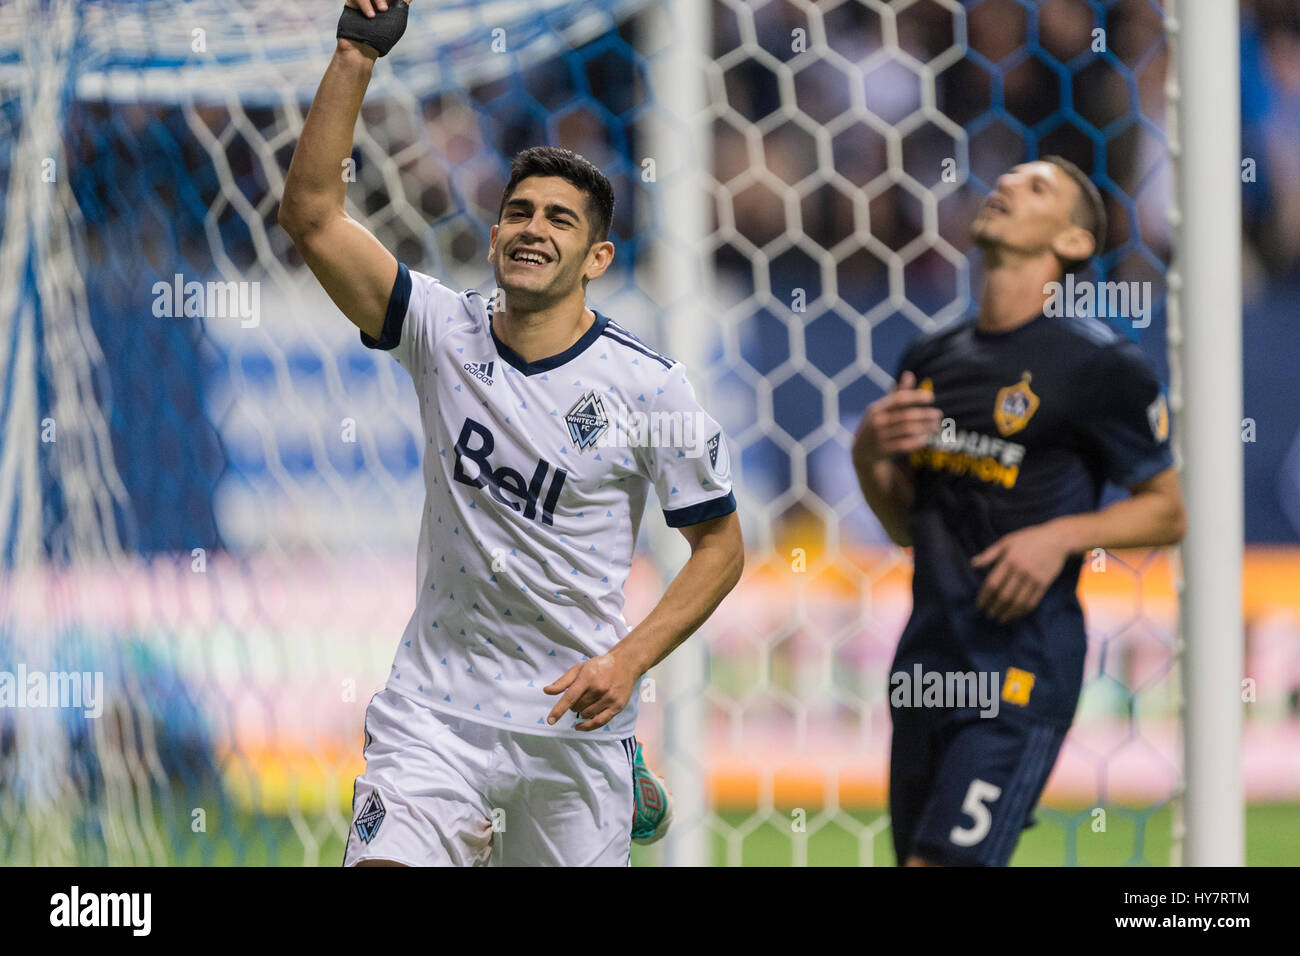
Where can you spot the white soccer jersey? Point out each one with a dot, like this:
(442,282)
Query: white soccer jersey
(536,476)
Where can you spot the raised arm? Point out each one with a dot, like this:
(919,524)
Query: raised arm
(348,261)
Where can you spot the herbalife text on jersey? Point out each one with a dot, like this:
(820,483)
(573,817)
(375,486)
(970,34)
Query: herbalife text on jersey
(631,428)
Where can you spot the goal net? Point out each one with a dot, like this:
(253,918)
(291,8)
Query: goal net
(200,591)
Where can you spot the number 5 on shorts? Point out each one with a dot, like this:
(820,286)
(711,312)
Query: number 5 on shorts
(980,792)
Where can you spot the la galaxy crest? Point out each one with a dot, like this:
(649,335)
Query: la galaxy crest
(587,421)
(1014,406)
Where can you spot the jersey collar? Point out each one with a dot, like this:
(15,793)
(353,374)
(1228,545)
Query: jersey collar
(521,364)
(1008,333)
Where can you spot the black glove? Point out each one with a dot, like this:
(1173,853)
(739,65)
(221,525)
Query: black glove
(381,32)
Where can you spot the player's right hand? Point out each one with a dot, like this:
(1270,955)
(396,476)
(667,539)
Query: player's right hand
(898,423)
(367,7)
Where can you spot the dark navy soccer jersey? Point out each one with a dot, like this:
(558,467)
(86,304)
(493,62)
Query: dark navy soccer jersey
(1036,420)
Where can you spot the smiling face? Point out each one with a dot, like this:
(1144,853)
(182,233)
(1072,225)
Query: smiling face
(540,250)
(1031,212)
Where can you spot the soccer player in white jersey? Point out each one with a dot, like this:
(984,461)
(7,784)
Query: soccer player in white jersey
(504,734)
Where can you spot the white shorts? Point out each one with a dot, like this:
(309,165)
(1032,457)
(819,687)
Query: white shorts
(442,791)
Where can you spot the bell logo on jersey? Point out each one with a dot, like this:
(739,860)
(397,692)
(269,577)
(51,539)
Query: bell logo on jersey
(504,480)
(1014,406)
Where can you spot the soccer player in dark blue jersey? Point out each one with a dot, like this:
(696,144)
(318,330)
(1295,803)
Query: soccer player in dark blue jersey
(989,460)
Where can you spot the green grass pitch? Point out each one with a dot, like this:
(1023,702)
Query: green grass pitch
(1132,837)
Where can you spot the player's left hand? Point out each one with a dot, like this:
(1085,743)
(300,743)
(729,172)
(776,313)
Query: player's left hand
(596,690)
(1024,564)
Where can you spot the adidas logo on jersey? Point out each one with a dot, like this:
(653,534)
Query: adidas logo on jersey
(481,371)
(504,481)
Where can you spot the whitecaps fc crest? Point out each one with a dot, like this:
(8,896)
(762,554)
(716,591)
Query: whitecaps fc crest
(370,817)
(587,421)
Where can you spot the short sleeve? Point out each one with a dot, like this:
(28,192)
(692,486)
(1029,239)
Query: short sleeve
(1124,415)
(687,458)
(419,307)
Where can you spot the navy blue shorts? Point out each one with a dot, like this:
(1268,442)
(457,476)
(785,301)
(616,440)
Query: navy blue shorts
(962,787)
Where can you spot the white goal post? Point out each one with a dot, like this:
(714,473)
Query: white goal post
(1205,344)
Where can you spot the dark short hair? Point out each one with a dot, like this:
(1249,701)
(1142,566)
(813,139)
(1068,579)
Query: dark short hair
(1090,210)
(569,166)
